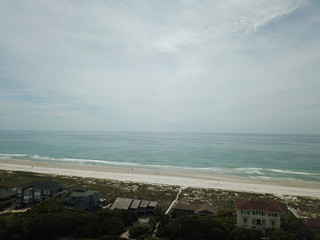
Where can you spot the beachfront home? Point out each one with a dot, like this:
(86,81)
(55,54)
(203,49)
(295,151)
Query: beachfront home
(180,210)
(313,224)
(258,214)
(7,194)
(83,199)
(121,203)
(139,206)
(34,192)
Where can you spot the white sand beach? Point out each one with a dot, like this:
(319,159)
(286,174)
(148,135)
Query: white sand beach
(185,178)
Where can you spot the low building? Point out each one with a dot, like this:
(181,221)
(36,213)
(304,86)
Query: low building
(25,194)
(258,214)
(83,199)
(313,224)
(7,194)
(142,209)
(151,207)
(207,210)
(33,192)
(46,190)
(121,203)
(180,210)
(137,205)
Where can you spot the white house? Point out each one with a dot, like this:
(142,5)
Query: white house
(258,214)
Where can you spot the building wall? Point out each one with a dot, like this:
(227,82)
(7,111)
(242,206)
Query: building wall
(258,219)
(182,212)
(85,202)
(28,195)
(37,195)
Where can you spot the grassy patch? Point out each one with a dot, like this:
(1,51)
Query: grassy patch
(164,194)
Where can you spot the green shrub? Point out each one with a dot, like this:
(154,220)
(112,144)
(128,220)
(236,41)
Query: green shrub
(50,220)
(141,229)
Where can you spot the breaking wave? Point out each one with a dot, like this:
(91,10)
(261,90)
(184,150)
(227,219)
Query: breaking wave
(253,172)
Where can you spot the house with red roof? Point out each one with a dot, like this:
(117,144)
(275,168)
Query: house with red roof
(258,214)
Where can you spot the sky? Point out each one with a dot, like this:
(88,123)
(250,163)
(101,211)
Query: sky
(250,66)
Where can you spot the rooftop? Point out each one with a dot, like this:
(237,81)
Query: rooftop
(152,204)
(129,203)
(197,209)
(185,207)
(207,208)
(121,203)
(48,185)
(258,205)
(312,222)
(5,193)
(135,204)
(83,193)
(144,204)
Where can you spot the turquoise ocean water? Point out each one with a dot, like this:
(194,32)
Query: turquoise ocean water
(294,157)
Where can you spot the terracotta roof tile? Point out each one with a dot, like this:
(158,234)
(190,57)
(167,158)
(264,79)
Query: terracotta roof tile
(258,205)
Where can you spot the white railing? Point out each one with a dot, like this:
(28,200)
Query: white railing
(294,212)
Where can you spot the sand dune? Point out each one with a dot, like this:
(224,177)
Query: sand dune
(172,177)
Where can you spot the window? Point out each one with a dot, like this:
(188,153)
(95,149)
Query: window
(259,222)
(260,213)
(245,221)
(273,215)
(245,212)
(273,223)
(37,192)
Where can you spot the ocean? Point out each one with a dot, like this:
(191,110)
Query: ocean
(292,157)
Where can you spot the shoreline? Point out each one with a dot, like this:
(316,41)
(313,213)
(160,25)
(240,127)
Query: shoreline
(183,178)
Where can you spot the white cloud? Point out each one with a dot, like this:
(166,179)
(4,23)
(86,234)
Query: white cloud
(146,65)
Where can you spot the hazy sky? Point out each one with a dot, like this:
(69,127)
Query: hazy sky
(249,66)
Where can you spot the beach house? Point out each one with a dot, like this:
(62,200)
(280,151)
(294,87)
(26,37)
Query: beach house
(83,199)
(33,192)
(6,194)
(258,214)
(313,224)
(139,206)
(180,210)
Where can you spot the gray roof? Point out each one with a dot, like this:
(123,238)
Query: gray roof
(153,204)
(83,193)
(5,193)
(48,185)
(26,185)
(135,204)
(207,208)
(122,203)
(144,204)
(185,207)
